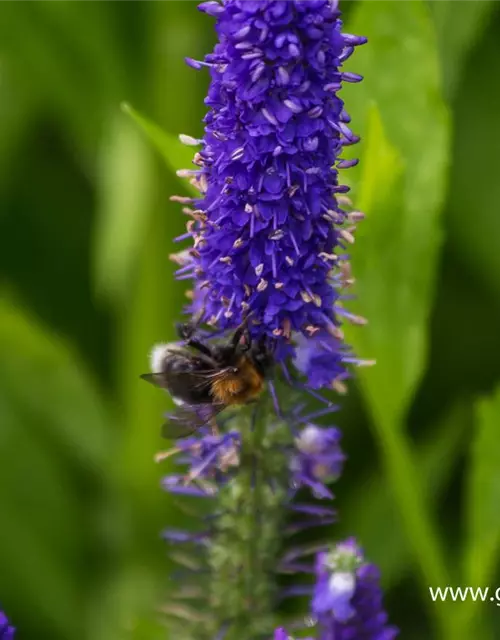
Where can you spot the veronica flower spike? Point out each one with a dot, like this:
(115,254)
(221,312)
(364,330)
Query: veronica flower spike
(267,256)
(268,230)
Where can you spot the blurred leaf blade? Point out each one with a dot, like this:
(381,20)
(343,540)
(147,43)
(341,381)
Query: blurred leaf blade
(53,416)
(475,188)
(36,365)
(32,49)
(468,20)
(411,219)
(174,153)
(385,334)
(125,184)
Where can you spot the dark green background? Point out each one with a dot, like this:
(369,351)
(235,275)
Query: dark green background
(86,228)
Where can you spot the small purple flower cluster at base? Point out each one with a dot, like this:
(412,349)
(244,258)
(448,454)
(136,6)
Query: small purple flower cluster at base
(316,460)
(269,234)
(204,457)
(347,599)
(7,632)
(207,463)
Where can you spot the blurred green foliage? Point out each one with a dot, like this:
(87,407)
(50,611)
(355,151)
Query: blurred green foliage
(86,228)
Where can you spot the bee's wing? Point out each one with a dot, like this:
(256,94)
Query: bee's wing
(158,379)
(196,366)
(188,418)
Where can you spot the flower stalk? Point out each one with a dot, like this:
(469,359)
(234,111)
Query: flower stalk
(246,543)
(240,592)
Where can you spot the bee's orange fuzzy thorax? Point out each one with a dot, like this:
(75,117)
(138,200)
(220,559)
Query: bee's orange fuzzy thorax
(240,387)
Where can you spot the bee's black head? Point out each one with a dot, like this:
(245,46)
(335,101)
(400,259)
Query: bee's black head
(227,355)
(259,352)
(261,355)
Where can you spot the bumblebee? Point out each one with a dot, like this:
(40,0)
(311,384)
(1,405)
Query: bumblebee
(204,379)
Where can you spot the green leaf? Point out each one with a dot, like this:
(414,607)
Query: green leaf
(384,298)
(458,27)
(125,192)
(51,381)
(474,226)
(44,59)
(175,154)
(399,243)
(54,443)
(18,109)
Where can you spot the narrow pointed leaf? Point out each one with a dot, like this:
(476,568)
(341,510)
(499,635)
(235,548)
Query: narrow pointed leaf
(175,154)
(402,235)
(458,27)
(126,183)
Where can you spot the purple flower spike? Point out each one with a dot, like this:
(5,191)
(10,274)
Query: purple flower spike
(318,459)
(268,231)
(347,598)
(7,632)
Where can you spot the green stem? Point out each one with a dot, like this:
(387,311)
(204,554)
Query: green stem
(255,439)
(402,476)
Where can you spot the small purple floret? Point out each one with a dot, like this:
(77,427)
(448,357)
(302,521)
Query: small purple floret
(320,360)
(318,459)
